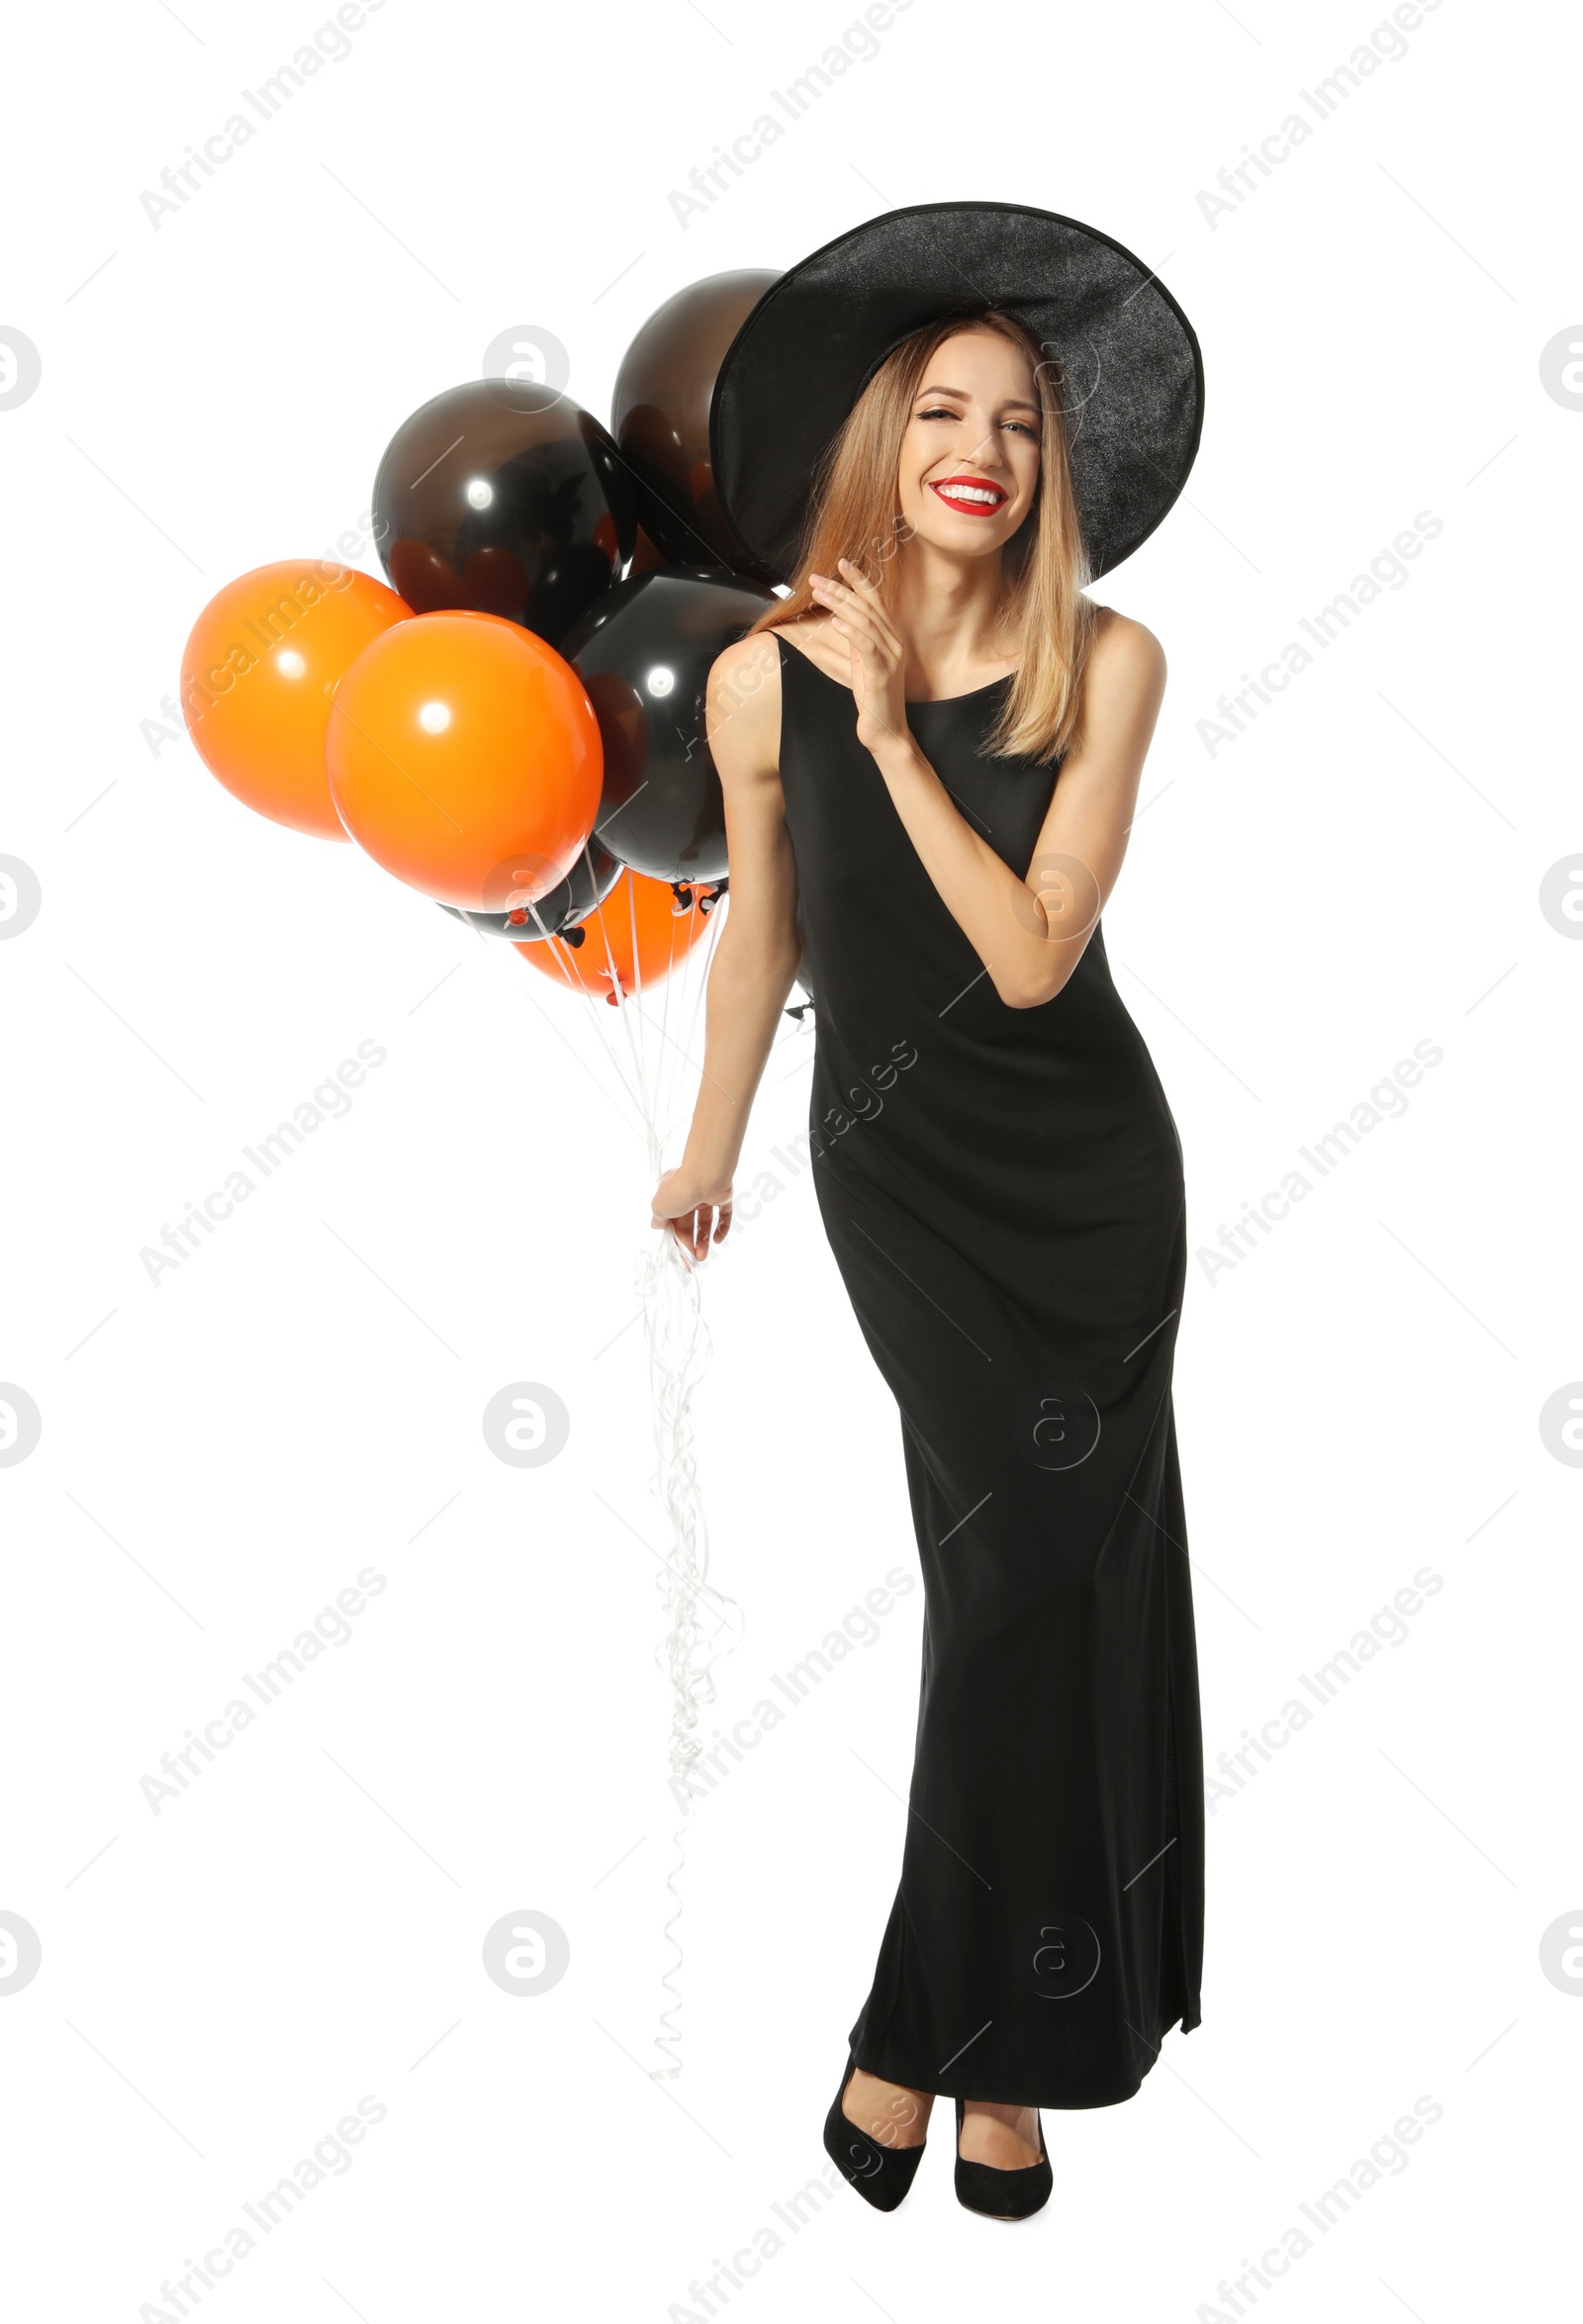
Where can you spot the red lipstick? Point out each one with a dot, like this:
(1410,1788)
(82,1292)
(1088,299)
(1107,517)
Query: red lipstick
(967,495)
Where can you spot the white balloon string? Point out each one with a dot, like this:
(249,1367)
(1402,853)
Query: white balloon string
(679,1351)
(635,1122)
(618,995)
(700,1622)
(637,986)
(571,966)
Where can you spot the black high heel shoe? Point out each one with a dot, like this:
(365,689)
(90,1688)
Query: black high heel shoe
(1003,2195)
(883,2176)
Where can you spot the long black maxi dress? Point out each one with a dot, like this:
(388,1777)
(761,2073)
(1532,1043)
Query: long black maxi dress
(1002,1189)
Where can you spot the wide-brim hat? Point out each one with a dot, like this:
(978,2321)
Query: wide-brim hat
(1133,375)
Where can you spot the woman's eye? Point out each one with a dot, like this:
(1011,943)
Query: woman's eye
(941,412)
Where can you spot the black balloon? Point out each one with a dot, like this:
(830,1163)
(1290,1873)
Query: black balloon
(482,505)
(660,416)
(588,884)
(643,653)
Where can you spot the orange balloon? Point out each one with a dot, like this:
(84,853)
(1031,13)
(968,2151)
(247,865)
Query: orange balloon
(635,905)
(259,669)
(465,756)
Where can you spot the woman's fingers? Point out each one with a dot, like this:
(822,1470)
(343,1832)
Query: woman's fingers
(862,634)
(846,603)
(857,578)
(842,594)
(692,1229)
(859,640)
(867,592)
(696,1225)
(866,636)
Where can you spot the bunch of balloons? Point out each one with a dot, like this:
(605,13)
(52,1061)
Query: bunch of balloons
(515,727)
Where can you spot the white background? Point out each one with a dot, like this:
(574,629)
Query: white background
(1356,1399)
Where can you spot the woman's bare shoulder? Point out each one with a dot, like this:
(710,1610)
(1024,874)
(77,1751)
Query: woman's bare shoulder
(746,675)
(756,656)
(1122,652)
(744,706)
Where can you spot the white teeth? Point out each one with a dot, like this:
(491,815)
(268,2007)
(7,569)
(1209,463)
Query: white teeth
(972,492)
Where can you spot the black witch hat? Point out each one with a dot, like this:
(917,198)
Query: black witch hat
(1133,378)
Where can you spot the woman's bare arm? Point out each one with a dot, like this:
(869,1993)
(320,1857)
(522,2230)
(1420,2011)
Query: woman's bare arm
(756,957)
(1029,933)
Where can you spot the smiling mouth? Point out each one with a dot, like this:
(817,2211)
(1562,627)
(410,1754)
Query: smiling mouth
(971,496)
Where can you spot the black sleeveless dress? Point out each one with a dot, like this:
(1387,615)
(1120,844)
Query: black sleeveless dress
(1002,1189)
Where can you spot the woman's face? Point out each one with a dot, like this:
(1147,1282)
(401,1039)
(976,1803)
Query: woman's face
(969,457)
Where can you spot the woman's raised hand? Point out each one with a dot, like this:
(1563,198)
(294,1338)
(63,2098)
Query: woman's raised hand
(878,657)
(696,1208)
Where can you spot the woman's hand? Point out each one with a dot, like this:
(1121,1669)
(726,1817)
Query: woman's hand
(696,1208)
(878,657)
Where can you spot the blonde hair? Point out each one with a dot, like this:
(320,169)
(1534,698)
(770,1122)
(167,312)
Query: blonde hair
(854,513)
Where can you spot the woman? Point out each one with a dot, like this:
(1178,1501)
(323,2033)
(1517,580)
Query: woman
(931,752)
